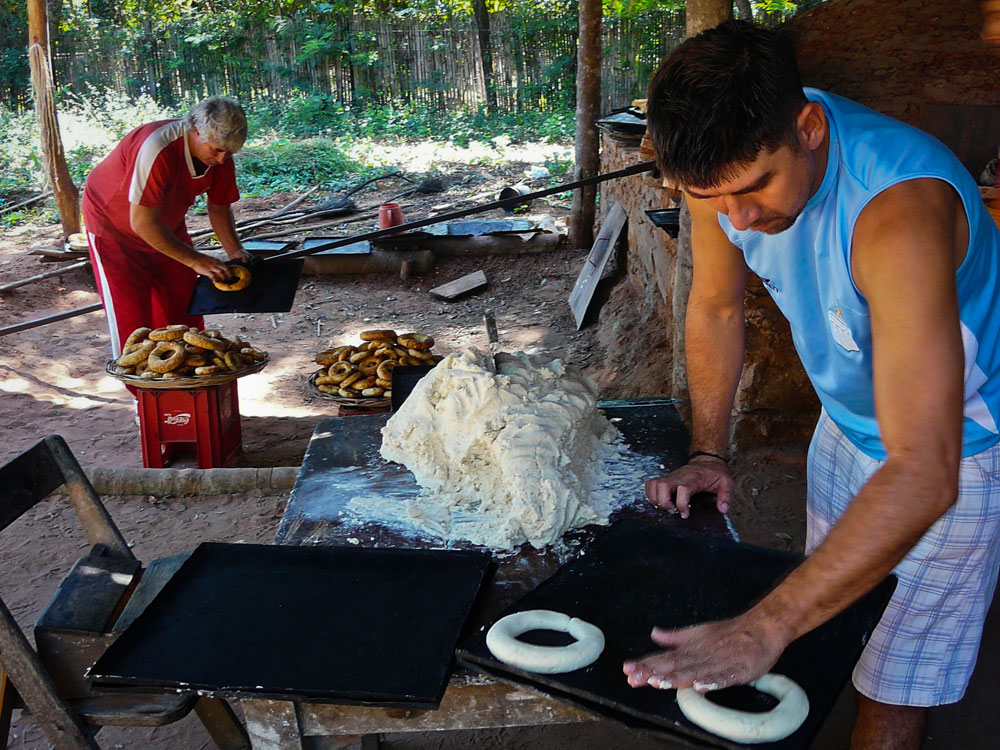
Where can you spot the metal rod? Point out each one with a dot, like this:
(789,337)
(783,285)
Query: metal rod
(50,319)
(35,199)
(646,166)
(46,275)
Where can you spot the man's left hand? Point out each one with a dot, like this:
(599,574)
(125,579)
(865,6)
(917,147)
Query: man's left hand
(241,255)
(708,656)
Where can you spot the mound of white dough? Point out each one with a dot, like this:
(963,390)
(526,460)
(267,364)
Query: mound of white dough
(515,454)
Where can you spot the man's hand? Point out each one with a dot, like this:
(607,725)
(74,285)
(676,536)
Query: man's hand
(711,655)
(702,474)
(214,269)
(239,254)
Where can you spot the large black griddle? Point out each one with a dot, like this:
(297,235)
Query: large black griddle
(207,300)
(640,575)
(273,284)
(324,624)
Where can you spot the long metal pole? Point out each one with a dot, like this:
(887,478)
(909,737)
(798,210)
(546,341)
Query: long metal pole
(645,166)
(46,275)
(50,319)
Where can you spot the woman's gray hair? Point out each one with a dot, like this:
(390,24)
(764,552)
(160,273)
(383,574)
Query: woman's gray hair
(220,120)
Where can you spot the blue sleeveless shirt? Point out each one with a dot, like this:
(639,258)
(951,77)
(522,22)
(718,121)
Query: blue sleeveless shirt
(807,270)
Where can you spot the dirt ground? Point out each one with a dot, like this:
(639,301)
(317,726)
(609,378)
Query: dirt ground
(52,380)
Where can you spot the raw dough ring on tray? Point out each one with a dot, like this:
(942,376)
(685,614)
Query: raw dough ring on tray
(746,726)
(501,640)
(241,282)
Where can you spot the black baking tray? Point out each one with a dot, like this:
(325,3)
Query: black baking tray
(640,575)
(404,380)
(272,289)
(324,624)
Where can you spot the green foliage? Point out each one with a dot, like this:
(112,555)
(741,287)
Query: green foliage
(310,115)
(20,156)
(280,165)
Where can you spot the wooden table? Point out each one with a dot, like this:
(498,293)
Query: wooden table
(342,460)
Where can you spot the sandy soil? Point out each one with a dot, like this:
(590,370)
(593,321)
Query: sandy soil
(52,381)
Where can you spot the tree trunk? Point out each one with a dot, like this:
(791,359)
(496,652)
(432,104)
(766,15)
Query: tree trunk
(485,53)
(588,102)
(746,11)
(65,192)
(707,14)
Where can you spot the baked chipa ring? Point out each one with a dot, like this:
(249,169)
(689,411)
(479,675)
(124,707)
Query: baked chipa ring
(204,341)
(241,279)
(166,357)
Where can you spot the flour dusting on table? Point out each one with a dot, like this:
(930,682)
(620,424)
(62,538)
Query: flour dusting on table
(521,455)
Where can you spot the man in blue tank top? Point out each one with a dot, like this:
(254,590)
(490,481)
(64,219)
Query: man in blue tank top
(874,242)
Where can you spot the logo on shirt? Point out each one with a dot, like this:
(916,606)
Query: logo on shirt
(841,331)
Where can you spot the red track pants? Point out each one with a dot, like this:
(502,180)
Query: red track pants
(140,287)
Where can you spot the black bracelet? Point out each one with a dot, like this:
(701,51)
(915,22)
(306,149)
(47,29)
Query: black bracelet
(710,455)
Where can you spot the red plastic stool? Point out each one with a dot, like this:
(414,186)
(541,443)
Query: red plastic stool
(206,419)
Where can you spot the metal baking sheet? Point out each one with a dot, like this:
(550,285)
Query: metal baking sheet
(272,289)
(343,461)
(640,575)
(357,248)
(323,624)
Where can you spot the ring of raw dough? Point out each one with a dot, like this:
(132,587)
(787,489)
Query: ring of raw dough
(501,640)
(240,282)
(746,726)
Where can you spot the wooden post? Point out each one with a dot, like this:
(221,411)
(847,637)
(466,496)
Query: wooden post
(40,62)
(588,102)
(706,14)
(485,53)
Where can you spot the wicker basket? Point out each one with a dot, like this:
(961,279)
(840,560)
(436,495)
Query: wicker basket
(193,381)
(374,402)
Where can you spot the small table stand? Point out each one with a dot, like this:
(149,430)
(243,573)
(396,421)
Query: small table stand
(207,419)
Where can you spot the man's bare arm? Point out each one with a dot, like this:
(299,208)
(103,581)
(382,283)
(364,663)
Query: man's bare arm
(146,223)
(224,226)
(713,330)
(908,243)
(713,336)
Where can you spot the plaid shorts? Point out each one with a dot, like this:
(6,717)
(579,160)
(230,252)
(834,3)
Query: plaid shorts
(924,648)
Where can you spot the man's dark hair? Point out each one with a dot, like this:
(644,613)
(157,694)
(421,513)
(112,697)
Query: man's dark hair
(720,99)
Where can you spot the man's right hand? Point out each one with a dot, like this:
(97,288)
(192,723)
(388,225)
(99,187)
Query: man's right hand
(214,269)
(702,474)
